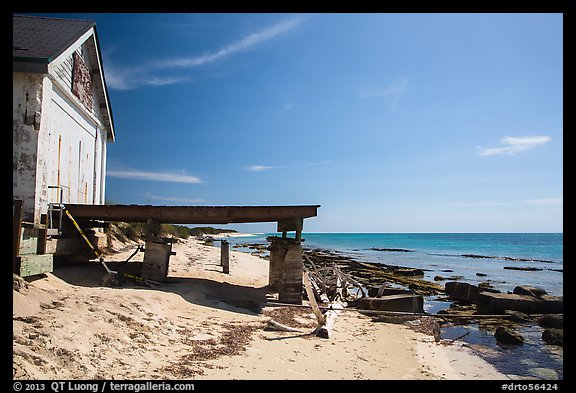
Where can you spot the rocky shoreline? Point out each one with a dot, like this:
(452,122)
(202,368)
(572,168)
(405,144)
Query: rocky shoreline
(396,294)
(526,304)
(502,315)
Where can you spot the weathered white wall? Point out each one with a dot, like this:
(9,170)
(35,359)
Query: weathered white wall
(57,141)
(26,103)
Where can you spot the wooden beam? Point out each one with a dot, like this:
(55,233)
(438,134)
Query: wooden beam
(192,214)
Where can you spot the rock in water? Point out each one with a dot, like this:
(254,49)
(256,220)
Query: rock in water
(496,303)
(555,321)
(507,336)
(553,336)
(529,290)
(461,291)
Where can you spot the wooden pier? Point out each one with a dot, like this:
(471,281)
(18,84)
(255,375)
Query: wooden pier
(285,252)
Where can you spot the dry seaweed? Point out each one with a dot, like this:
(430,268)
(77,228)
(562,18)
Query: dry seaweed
(233,341)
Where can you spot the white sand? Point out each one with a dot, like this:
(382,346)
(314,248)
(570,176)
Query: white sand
(67,326)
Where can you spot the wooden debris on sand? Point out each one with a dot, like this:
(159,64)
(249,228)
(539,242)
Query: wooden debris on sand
(332,288)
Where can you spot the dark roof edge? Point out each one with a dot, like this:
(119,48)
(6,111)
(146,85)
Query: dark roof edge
(105,85)
(51,17)
(89,25)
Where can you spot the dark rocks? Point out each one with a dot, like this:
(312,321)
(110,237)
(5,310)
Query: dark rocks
(481,274)
(474,256)
(496,303)
(461,291)
(374,274)
(528,269)
(403,302)
(529,290)
(390,249)
(506,335)
(517,316)
(460,310)
(487,286)
(451,278)
(553,337)
(555,321)
(408,271)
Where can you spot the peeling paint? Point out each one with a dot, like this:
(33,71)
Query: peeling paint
(82,82)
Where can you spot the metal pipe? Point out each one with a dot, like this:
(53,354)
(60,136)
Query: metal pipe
(51,208)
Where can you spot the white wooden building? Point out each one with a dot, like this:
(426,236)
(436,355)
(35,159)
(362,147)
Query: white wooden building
(62,119)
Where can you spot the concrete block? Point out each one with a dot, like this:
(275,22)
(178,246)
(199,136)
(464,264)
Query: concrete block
(496,303)
(461,291)
(401,302)
(156,260)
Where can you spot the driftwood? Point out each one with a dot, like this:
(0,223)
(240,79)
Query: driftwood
(312,300)
(325,331)
(331,283)
(273,325)
(325,321)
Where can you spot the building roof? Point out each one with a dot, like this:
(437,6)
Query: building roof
(38,41)
(42,39)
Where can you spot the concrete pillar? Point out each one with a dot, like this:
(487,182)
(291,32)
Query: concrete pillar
(291,288)
(225,256)
(277,254)
(285,272)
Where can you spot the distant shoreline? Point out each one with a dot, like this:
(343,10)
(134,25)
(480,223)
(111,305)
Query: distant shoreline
(234,234)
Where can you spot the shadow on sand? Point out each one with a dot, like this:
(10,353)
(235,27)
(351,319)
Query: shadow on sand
(200,291)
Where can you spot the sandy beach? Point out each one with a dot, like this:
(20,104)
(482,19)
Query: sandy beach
(203,324)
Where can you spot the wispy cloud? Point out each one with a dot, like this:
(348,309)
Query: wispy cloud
(526,202)
(131,78)
(171,177)
(144,75)
(172,199)
(477,204)
(514,145)
(392,92)
(261,168)
(242,45)
(545,202)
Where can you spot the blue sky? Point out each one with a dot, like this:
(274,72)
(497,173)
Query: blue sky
(391,122)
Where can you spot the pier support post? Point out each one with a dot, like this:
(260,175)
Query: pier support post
(277,254)
(225,256)
(285,272)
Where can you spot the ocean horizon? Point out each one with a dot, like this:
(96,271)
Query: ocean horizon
(496,257)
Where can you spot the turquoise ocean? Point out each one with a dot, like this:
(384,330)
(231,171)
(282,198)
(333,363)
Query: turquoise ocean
(466,254)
